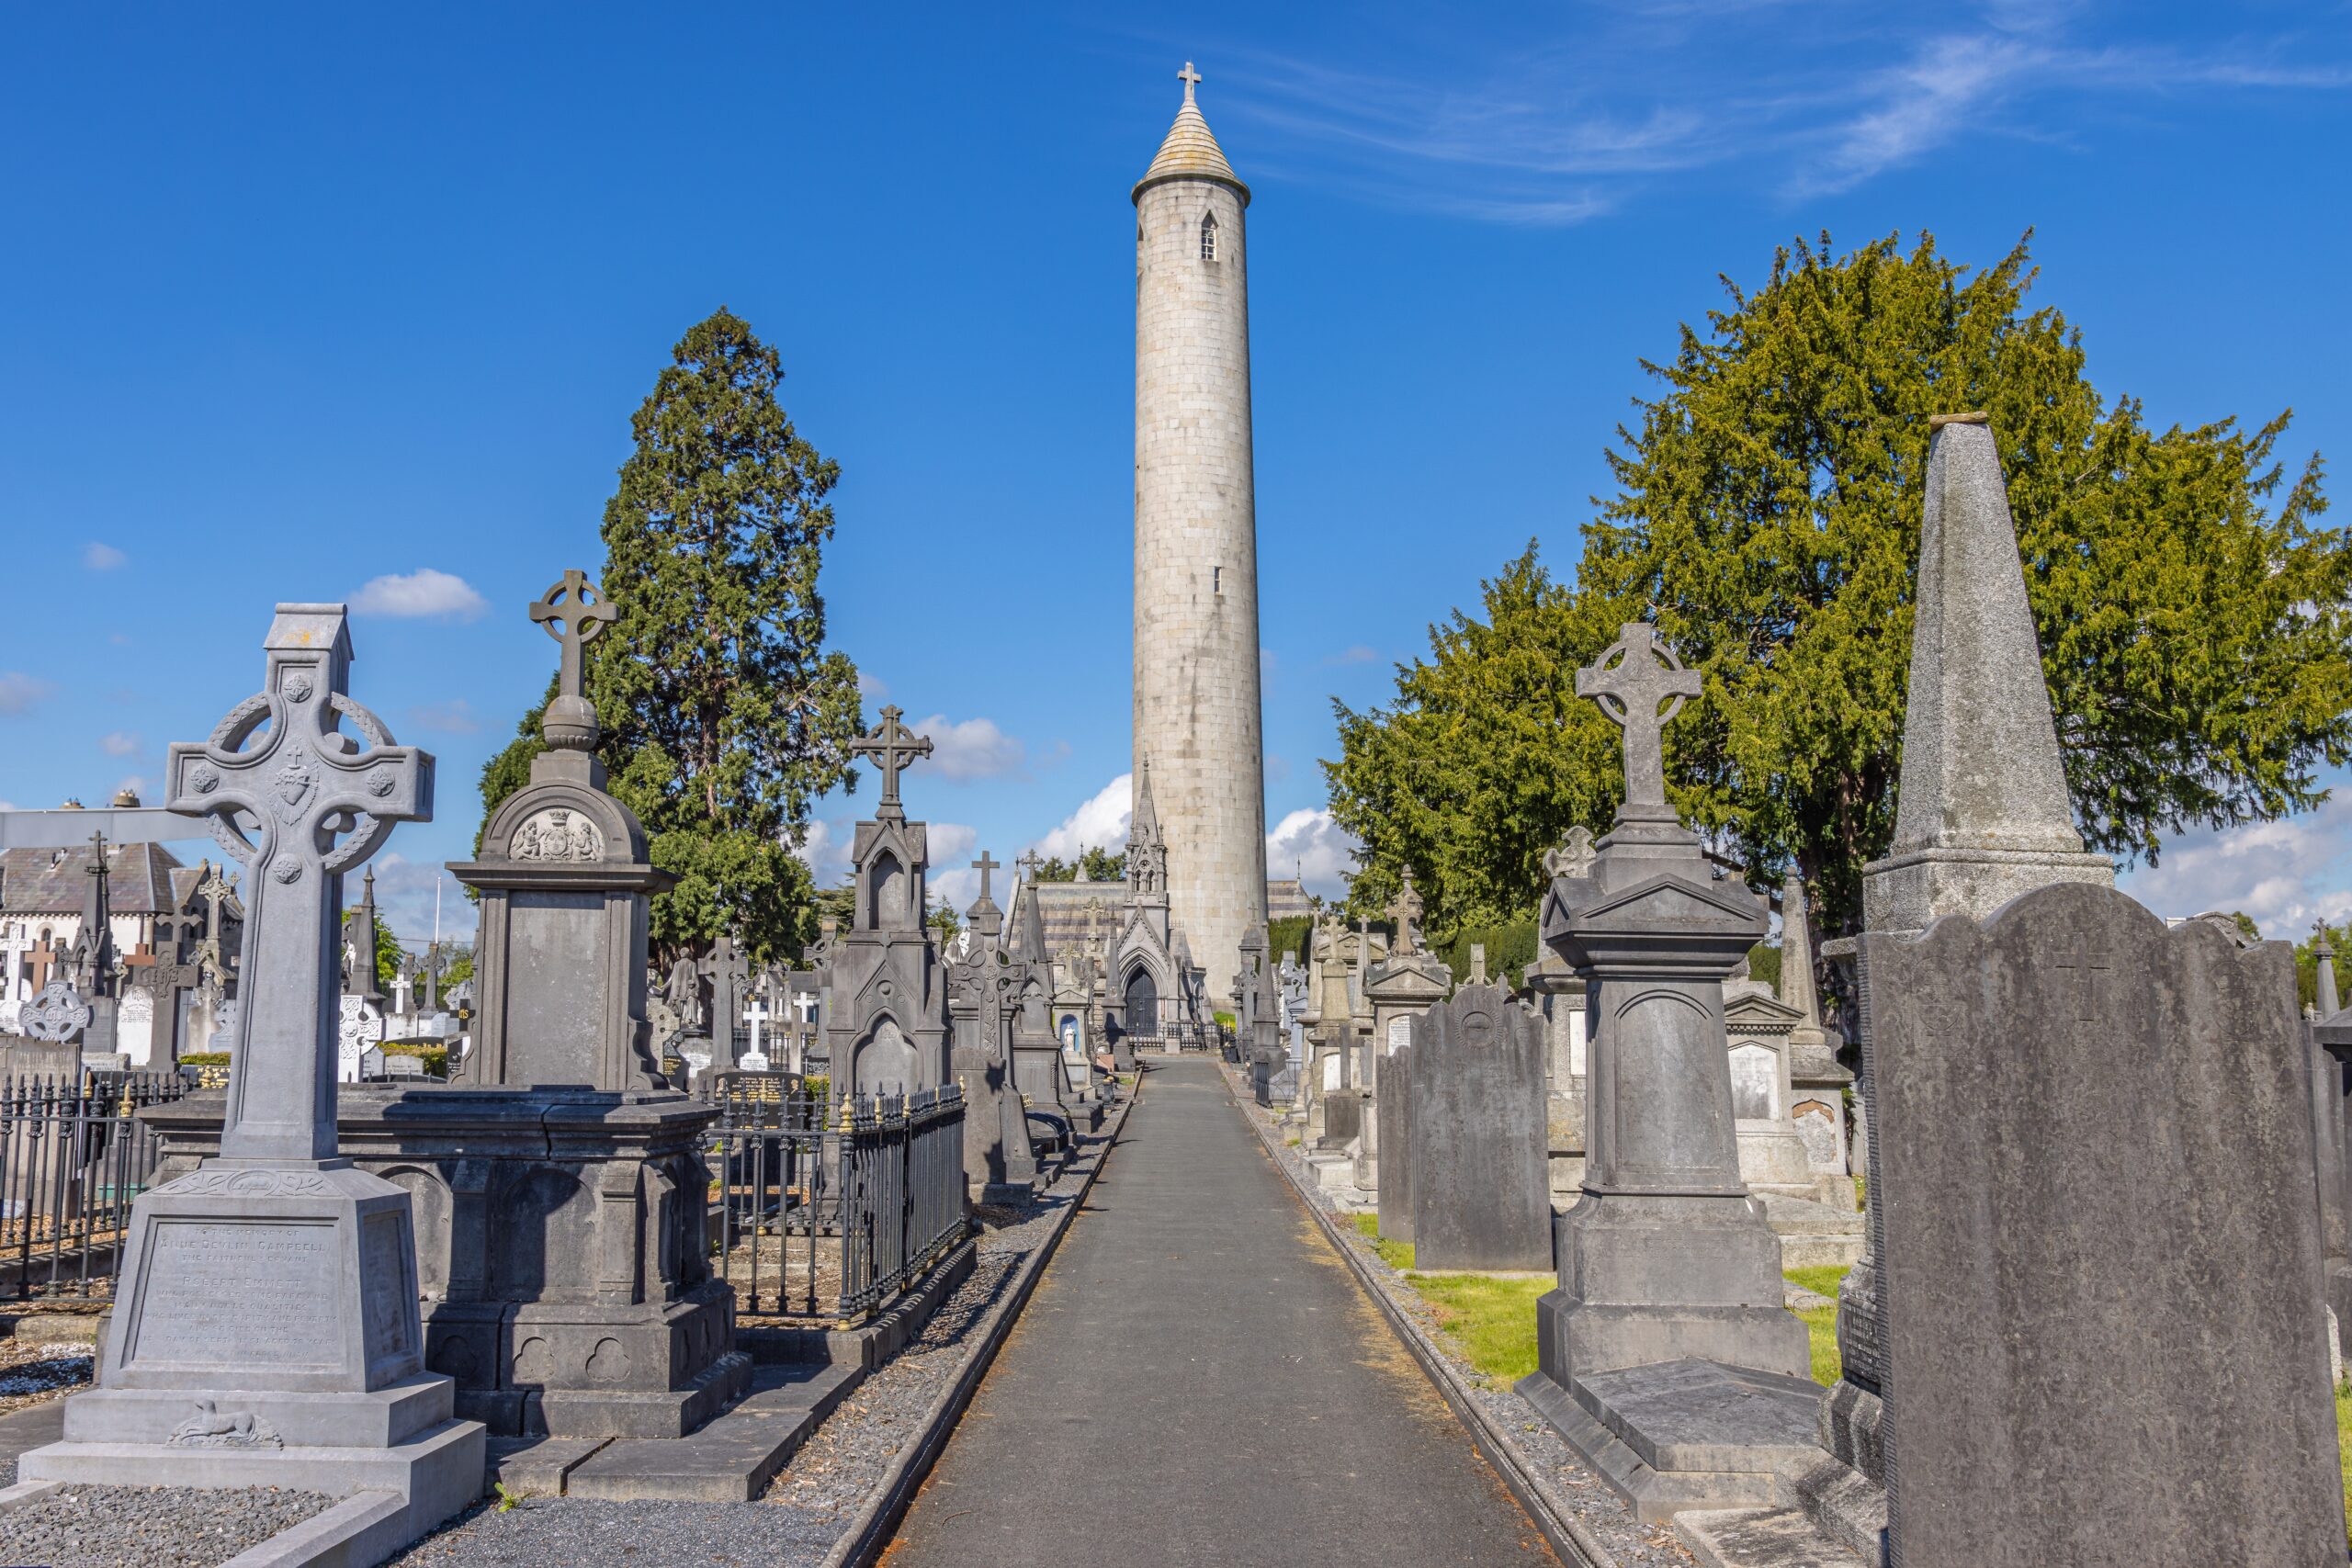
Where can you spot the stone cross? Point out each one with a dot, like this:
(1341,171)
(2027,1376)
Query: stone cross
(892,747)
(757,1015)
(40,959)
(56,1014)
(1404,911)
(94,946)
(1030,864)
(317,803)
(574,619)
(2086,966)
(13,948)
(805,1004)
(1630,693)
(984,865)
(1190,78)
(404,978)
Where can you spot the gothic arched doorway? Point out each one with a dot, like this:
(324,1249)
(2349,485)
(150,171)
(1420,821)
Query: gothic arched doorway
(1143,1004)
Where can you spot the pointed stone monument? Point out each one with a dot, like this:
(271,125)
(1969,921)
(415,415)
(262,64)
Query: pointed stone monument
(267,1331)
(885,1018)
(1984,815)
(984,986)
(1664,1356)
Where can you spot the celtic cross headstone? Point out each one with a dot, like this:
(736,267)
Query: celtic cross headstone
(892,747)
(298,802)
(272,1291)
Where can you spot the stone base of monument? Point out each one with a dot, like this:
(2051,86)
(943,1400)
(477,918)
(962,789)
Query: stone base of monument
(1343,1120)
(1687,1433)
(1814,1234)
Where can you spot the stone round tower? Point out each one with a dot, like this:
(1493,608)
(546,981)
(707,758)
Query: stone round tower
(1196,715)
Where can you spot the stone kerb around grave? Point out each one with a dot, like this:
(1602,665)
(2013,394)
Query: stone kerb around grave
(2100,1260)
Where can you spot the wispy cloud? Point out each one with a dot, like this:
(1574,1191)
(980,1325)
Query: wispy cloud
(102,557)
(120,743)
(1359,654)
(2285,873)
(424,594)
(1309,845)
(1585,110)
(20,692)
(1100,822)
(456,717)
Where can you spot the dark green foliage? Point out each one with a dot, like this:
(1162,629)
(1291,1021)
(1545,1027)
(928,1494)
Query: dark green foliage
(1293,936)
(2307,964)
(1764,963)
(1511,948)
(1100,865)
(2192,614)
(724,717)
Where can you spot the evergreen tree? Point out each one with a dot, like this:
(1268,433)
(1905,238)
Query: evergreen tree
(724,716)
(2192,614)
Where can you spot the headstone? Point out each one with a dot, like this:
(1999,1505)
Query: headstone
(1668,1317)
(984,987)
(267,1329)
(1403,985)
(56,1013)
(1481,1198)
(2083,1102)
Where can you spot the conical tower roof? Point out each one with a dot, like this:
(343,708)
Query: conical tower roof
(1144,828)
(1190,152)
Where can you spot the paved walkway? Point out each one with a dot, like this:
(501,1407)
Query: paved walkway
(1198,1379)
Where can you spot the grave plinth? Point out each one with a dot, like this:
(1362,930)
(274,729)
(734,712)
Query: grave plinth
(266,1330)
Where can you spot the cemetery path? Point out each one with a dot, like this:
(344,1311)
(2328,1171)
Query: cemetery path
(1199,1380)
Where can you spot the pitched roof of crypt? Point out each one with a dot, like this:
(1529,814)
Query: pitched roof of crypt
(1190,152)
(55,882)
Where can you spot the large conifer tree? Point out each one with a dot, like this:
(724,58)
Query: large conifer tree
(725,715)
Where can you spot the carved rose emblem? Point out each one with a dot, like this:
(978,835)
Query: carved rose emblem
(286,868)
(203,779)
(379,782)
(298,688)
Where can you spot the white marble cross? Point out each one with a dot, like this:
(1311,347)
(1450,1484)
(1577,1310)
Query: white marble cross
(757,1015)
(13,948)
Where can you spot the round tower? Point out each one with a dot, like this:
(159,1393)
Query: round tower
(1196,714)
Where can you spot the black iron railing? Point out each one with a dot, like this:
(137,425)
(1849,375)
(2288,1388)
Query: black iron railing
(827,1208)
(1176,1037)
(73,1156)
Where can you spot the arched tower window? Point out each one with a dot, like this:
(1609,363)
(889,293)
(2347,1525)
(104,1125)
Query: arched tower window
(1208,237)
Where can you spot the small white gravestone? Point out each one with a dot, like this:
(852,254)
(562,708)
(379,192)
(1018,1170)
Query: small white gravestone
(360,1031)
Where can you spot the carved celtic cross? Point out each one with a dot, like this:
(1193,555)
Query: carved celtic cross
(1644,675)
(299,803)
(573,612)
(892,747)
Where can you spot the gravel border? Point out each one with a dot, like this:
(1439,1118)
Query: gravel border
(830,1499)
(162,1527)
(1583,1501)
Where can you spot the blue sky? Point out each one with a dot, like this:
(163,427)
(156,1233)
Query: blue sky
(318,303)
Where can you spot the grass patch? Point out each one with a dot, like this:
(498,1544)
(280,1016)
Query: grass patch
(1396,1254)
(2344,1444)
(1491,1321)
(1821,1322)
(1821,1280)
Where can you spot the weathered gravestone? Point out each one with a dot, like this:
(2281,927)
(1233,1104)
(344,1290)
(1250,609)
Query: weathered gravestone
(1403,985)
(1666,1359)
(267,1331)
(984,985)
(2100,1260)
(1480,1196)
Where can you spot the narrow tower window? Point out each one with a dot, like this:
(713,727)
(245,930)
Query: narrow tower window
(1217,580)
(1208,237)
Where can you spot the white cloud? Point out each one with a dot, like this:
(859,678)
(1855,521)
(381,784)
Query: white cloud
(404,900)
(975,749)
(824,849)
(19,692)
(1101,822)
(952,845)
(1310,846)
(418,594)
(122,743)
(102,557)
(456,717)
(872,685)
(1359,654)
(2285,873)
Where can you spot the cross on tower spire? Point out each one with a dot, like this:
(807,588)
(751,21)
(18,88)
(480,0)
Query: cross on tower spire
(1030,864)
(1190,78)
(892,747)
(1629,692)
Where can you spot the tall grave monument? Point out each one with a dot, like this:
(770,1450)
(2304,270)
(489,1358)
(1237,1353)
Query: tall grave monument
(267,1330)
(984,986)
(1665,1343)
(1983,816)
(885,1018)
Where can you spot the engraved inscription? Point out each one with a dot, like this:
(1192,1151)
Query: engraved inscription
(217,1288)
